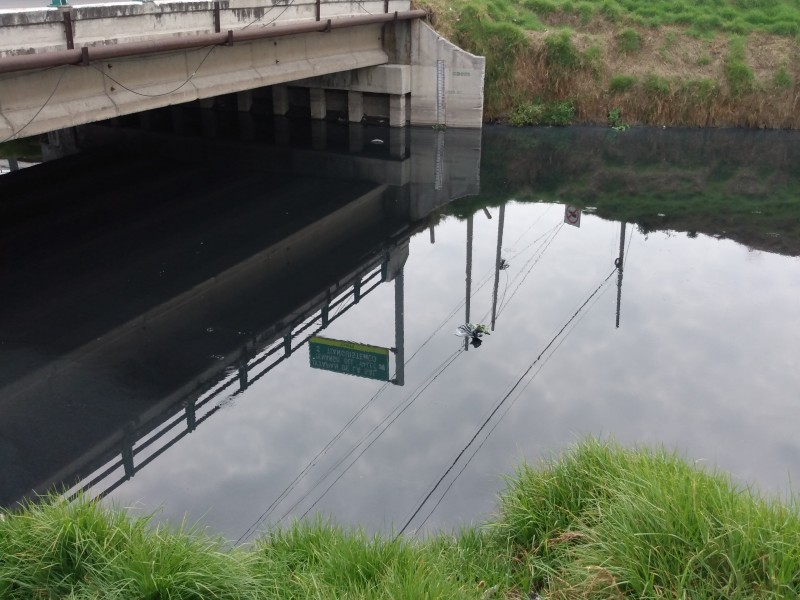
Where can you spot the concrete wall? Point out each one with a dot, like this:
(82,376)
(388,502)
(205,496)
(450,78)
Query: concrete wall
(458,100)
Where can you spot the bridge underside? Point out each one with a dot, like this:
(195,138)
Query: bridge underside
(72,95)
(427,79)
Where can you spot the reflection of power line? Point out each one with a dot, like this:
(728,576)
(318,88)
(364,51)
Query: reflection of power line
(537,255)
(393,415)
(500,404)
(401,408)
(510,406)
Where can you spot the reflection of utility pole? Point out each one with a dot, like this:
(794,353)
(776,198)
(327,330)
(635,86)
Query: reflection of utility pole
(497,261)
(469,275)
(399,328)
(619,264)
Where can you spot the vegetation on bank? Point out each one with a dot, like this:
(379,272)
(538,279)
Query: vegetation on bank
(600,521)
(659,62)
(723,183)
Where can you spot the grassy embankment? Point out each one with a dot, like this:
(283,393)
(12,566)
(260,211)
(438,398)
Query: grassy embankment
(655,62)
(719,183)
(598,522)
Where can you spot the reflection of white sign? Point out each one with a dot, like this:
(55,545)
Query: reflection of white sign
(572,215)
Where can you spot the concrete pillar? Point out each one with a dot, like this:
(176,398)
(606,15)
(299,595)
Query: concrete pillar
(280,100)
(244,100)
(355,106)
(397,142)
(355,134)
(317,103)
(60,143)
(397,110)
(319,135)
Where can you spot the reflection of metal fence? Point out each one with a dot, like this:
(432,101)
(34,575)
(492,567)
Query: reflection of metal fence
(153,438)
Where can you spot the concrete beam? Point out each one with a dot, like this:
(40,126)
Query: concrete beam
(56,98)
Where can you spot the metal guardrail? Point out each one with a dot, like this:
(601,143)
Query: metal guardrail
(185,416)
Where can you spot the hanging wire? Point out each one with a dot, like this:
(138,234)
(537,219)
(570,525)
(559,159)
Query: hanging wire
(502,401)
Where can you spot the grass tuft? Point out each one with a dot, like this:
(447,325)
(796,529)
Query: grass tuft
(599,521)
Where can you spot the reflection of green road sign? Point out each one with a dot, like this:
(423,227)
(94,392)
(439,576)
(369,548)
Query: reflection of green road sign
(350,358)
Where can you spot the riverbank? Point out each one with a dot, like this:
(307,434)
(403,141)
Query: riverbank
(600,521)
(660,62)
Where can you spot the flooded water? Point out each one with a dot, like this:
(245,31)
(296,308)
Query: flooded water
(154,331)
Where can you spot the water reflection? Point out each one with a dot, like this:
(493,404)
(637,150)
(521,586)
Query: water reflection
(111,356)
(696,352)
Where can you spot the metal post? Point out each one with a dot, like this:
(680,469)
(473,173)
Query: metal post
(433,235)
(497,261)
(13,164)
(357,290)
(68,32)
(318,9)
(469,276)
(127,457)
(325,314)
(243,382)
(191,420)
(399,329)
(620,263)
(217,19)
(287,345)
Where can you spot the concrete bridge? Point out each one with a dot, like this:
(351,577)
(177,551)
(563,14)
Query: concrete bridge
(68,66)
(151,342)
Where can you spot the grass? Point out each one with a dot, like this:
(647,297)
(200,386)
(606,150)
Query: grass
(548,51)
(725,184)
(599,521)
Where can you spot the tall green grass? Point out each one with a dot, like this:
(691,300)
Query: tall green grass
(600,521)
(780,17)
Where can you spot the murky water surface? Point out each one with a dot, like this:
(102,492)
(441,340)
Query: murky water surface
(156,315)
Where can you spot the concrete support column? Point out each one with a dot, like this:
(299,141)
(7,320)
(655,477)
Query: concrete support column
(355,134)
(244,100)
(355,106)
(319,135)
(397,142)
(280,100)
(397,110)
(317,103)
(283,134)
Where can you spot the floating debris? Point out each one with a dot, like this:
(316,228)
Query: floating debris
(661,215)
(376,141)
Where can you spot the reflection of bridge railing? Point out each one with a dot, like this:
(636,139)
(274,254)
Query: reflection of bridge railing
(164,430)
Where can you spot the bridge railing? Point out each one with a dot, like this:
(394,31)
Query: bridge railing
(143,444)
(66,28)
